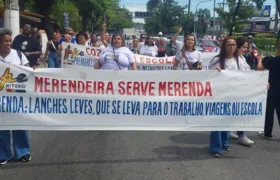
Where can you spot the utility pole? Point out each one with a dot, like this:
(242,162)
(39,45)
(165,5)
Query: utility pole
(214,27)
(189,11)
(196,17)
(189,8)
(221,5)
(278,6)
(11,16)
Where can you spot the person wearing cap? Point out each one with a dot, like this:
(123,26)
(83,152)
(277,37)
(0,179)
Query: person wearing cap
(251,43)
(161,45)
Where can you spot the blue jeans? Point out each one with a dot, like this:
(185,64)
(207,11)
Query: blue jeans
(241,133)
(53,60)
(20,143)
(218,141)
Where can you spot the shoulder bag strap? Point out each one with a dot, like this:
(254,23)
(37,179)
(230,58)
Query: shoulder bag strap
(54,46)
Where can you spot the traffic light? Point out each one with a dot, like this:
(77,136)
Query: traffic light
(212,23)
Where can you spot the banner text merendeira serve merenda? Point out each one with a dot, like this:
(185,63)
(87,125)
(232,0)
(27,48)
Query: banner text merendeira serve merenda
(125,88)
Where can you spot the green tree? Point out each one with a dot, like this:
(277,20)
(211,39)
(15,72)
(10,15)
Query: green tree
(239,11)
(83,14)
(152,4)
(119,18)
(94,11)
(44,8)
(57,14)
(166,15)
(206,13)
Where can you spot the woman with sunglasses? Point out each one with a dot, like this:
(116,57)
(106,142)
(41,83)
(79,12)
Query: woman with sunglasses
(226,60)
(188,58)
(116,56)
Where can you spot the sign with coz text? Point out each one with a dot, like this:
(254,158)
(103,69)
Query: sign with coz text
(74,55)
(86,99)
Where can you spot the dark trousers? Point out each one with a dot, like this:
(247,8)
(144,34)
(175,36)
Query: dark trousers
(273,103)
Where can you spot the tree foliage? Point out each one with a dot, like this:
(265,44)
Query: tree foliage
(83,14)
(57,14)
(152,4)
(206,13)
(239,11)
(166,15)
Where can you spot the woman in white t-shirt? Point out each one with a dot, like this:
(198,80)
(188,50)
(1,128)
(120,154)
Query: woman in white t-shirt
(116,56)
(188,58)
(227,59)
(149,48)
(82,38)
(20,138)
(242,48)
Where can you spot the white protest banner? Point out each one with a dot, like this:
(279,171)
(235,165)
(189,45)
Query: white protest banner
(86,99)
(74,55)
(146,63)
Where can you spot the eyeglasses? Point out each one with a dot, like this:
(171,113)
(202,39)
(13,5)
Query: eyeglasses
(231,45)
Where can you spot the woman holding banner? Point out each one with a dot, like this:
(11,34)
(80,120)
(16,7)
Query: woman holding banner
(242,48)
(67,39)
(149,48)
(188,58)
(94,42)
(116,56)
(226,60)
(20,137)
(82,38)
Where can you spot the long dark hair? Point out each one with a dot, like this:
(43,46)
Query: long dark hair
(81,34)
(223,53)
(146,40)
(239,43)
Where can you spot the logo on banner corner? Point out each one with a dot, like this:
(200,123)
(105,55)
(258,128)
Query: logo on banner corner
(11,83)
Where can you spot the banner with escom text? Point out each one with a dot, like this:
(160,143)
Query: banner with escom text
(86,99)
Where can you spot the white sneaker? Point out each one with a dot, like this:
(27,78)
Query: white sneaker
(245,141)
(233,135)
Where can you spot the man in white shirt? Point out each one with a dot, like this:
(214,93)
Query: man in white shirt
(20,138)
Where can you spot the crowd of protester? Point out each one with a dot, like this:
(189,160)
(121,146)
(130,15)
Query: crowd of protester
(25,50)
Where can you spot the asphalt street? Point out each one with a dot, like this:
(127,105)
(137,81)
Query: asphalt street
(143,156)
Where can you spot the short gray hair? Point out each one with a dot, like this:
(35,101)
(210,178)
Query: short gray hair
(4,32)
